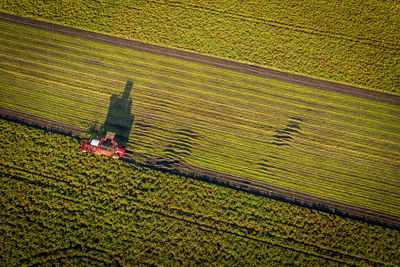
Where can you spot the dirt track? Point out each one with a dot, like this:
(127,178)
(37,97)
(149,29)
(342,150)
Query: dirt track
(175,166)
(219,62)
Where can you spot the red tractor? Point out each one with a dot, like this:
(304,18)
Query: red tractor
(106,146)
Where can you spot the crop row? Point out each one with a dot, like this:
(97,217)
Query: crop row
(58,204)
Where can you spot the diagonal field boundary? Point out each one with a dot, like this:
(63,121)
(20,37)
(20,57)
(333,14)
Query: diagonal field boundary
(209,60)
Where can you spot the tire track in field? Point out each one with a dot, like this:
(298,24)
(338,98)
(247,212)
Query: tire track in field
(208,60)
(288,26)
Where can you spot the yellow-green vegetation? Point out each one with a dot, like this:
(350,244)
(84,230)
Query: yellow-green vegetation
(59,206)
(341,41)
(323,143)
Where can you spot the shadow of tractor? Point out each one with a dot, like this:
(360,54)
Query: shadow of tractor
(119,118)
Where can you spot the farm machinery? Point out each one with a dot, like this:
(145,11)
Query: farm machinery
(105,146)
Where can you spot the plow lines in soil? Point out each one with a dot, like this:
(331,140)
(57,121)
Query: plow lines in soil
(322,143)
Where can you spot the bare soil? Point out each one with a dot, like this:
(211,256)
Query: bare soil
(179,167)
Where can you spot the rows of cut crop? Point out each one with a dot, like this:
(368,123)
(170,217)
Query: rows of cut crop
(323,143)
(328,40)
(62,206)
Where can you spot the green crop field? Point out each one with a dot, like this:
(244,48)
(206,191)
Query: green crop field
(336,40)
(322,143)
(59,206)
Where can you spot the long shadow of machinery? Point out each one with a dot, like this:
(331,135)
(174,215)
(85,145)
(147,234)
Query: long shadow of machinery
(119,117)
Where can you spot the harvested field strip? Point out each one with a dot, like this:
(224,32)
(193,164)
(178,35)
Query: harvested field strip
(90,51)
(230,146)
(335,143)
(369,129)
(57,89)
(56,112)
(372,139)
(279,105)
(314,102)
(324,143)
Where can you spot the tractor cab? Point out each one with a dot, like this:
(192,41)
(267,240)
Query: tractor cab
(106,146)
